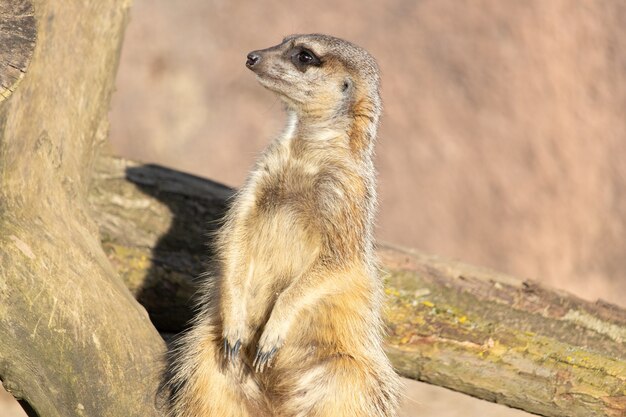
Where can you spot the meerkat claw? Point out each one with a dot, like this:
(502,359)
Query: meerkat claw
(259,360)
(231,351)
(263,359)
(256,360)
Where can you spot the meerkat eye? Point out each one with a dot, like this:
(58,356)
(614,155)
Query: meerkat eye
(303,58)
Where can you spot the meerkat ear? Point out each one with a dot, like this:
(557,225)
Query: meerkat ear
(347,83)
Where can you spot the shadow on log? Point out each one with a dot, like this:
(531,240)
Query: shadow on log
(466,328)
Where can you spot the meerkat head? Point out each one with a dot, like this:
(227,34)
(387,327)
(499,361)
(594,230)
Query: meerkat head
(319,75)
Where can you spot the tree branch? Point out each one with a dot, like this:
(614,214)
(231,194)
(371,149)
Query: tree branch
(466,328)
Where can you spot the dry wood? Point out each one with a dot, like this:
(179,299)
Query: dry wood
(17,41)
(466,328)
(73,341)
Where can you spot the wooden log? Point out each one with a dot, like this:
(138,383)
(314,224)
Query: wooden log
(466,328)
(502,339)
(73,340)
(18,33)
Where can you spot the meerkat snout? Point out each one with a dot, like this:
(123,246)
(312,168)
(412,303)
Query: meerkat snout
(253,58)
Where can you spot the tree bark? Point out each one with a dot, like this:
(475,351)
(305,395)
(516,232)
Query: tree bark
(17,40)
(470,329)
(73,341)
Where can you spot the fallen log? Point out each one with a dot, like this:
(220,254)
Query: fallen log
(470,329)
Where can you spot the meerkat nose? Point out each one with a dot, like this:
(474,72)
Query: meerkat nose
(253,59)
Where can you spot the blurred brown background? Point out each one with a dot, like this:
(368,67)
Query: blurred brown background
(503,141)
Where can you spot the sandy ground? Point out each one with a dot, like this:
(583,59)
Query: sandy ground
(9,406)
(421,400)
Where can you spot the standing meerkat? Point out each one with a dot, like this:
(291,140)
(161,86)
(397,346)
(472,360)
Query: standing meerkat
(290,325)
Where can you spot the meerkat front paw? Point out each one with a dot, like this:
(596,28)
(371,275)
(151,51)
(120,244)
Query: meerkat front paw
(266,351)
(235,335)
(271,340)
(232,345)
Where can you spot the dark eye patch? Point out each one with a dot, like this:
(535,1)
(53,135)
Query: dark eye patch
(303,58)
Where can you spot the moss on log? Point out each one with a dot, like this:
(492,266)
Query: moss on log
(466,328)
(504,340)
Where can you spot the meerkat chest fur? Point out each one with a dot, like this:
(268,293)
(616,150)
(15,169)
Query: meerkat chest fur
(306,197)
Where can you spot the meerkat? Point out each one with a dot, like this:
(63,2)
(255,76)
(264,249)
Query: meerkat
(290,324)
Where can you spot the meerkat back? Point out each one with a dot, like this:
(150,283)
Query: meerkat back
(290,323)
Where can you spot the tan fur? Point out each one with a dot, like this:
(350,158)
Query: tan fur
(297,276)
